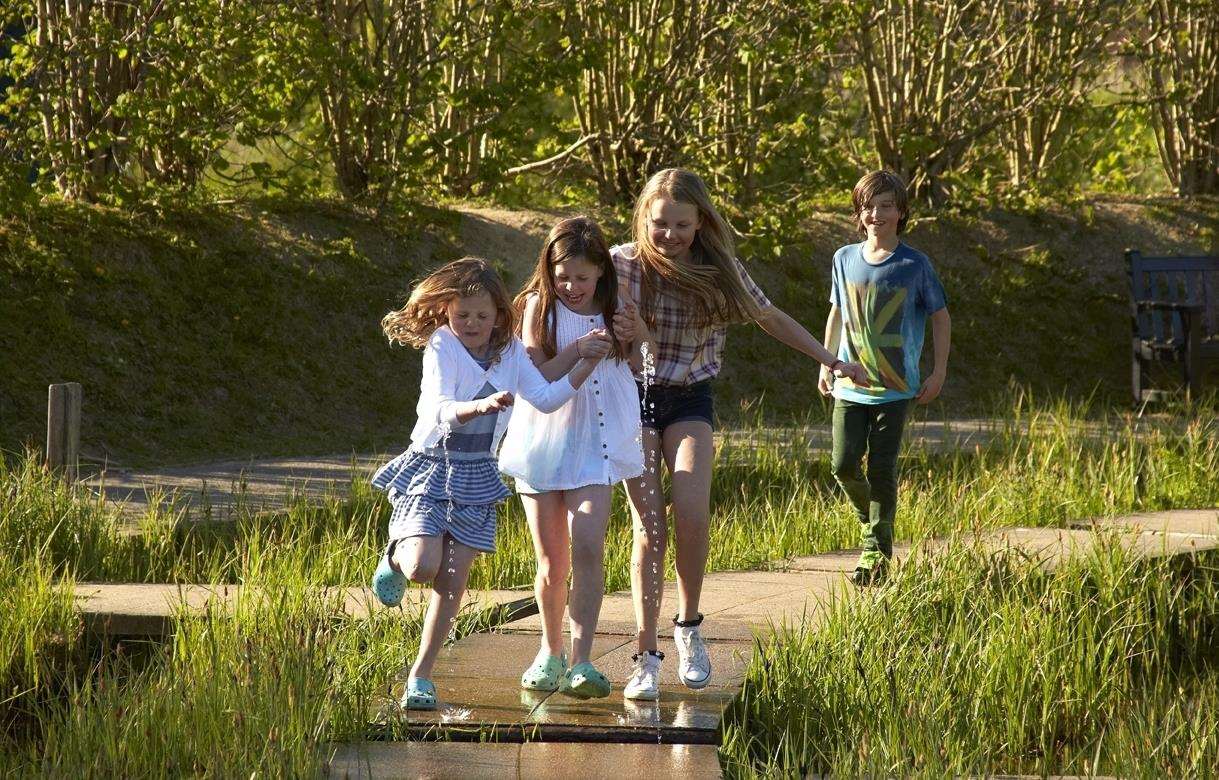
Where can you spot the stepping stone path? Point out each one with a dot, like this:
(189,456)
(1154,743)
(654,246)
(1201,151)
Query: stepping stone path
(478,677)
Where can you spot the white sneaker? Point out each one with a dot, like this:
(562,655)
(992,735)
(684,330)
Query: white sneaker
(693,665)
(645,679)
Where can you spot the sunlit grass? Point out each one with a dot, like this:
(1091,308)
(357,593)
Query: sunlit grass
(259,691)
(979,664)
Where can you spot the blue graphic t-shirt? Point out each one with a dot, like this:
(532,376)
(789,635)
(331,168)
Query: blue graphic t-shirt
(884,311)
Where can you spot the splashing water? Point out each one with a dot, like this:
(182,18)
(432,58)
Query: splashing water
(455,714)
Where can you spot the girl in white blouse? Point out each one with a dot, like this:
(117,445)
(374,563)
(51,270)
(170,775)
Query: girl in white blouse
(566,462)
(444,489)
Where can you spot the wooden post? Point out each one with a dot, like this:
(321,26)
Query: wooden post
(63,429)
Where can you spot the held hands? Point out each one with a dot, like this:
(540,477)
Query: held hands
(595,344)
(625,320)
(495,403)
(853,371)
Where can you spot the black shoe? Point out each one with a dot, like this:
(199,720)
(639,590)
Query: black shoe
(866,578)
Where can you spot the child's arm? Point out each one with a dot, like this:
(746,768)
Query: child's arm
(557,366)
(440,381)
(549,396)
(941,337)
(833,330)
(782,327)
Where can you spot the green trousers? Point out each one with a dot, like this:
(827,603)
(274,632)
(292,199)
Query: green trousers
(874,430)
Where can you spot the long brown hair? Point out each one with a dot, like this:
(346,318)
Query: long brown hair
(428,306)
(578,237)
(711,286)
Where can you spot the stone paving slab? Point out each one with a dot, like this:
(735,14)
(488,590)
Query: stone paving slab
(424,761)
(1195,522)
(478,681)
(541,760)
(544,760)
(722,592)
(150,609)
(224,486)
(1052,546)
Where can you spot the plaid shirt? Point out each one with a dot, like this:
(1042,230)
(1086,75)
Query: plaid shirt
(684,354)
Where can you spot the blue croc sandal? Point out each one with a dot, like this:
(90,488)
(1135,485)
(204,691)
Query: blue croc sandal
(545,674)
(420,694)
(387,582)
(584,682)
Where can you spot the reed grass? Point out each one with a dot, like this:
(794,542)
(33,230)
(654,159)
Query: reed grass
(260,691)
(976,664)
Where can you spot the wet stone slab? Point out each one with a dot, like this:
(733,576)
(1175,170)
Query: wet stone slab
(545,760)
(423,761)
(478,682)
(540,760)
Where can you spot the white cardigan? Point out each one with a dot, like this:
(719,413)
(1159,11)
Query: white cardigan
(451,375)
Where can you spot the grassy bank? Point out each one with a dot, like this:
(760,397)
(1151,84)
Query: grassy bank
(245,329)
(976,665)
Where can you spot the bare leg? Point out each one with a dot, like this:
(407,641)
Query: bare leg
(418,557)
(447,590)
(689,449)
(648,553)
(588,511)
(547,516)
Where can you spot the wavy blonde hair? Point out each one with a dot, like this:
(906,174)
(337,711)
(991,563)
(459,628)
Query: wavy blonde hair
(711,285)
(428,306)
(577,237)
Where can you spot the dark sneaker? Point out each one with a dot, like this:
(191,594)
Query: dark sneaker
(872,576)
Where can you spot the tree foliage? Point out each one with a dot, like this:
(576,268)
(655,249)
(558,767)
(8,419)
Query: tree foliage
(770,100)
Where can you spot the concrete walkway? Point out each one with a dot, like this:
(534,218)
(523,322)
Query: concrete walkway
(477,678)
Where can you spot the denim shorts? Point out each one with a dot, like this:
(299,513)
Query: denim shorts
(668,404)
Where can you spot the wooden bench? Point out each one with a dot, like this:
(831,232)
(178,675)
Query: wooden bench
(1174,312)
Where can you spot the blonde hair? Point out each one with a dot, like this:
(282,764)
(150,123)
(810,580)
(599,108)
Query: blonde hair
(711,285)
(577,237)
(428,307)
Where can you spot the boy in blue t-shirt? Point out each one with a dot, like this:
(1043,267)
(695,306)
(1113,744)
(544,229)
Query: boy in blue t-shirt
(881,295)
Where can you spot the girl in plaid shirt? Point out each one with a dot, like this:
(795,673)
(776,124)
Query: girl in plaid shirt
(683,272)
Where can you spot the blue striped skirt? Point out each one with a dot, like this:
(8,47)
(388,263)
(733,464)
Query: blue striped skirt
(432,496)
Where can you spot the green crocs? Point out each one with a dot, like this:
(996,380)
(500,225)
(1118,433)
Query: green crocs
(545,673)
(584,682)
(420,695)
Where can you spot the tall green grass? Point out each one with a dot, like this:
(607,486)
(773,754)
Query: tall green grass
(977,664)
(261,690)
(1041,467)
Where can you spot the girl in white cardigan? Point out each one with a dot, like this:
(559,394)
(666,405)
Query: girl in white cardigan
(566,461)
(445,487)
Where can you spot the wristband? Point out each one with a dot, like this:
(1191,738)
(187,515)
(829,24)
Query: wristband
(834,366)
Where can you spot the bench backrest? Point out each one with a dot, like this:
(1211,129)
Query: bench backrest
(1174,280)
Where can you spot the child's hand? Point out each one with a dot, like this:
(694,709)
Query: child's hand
(594,345)
(930,390)
(624,322)
(626,319)
(825,381)
(854,372)
(495,403)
